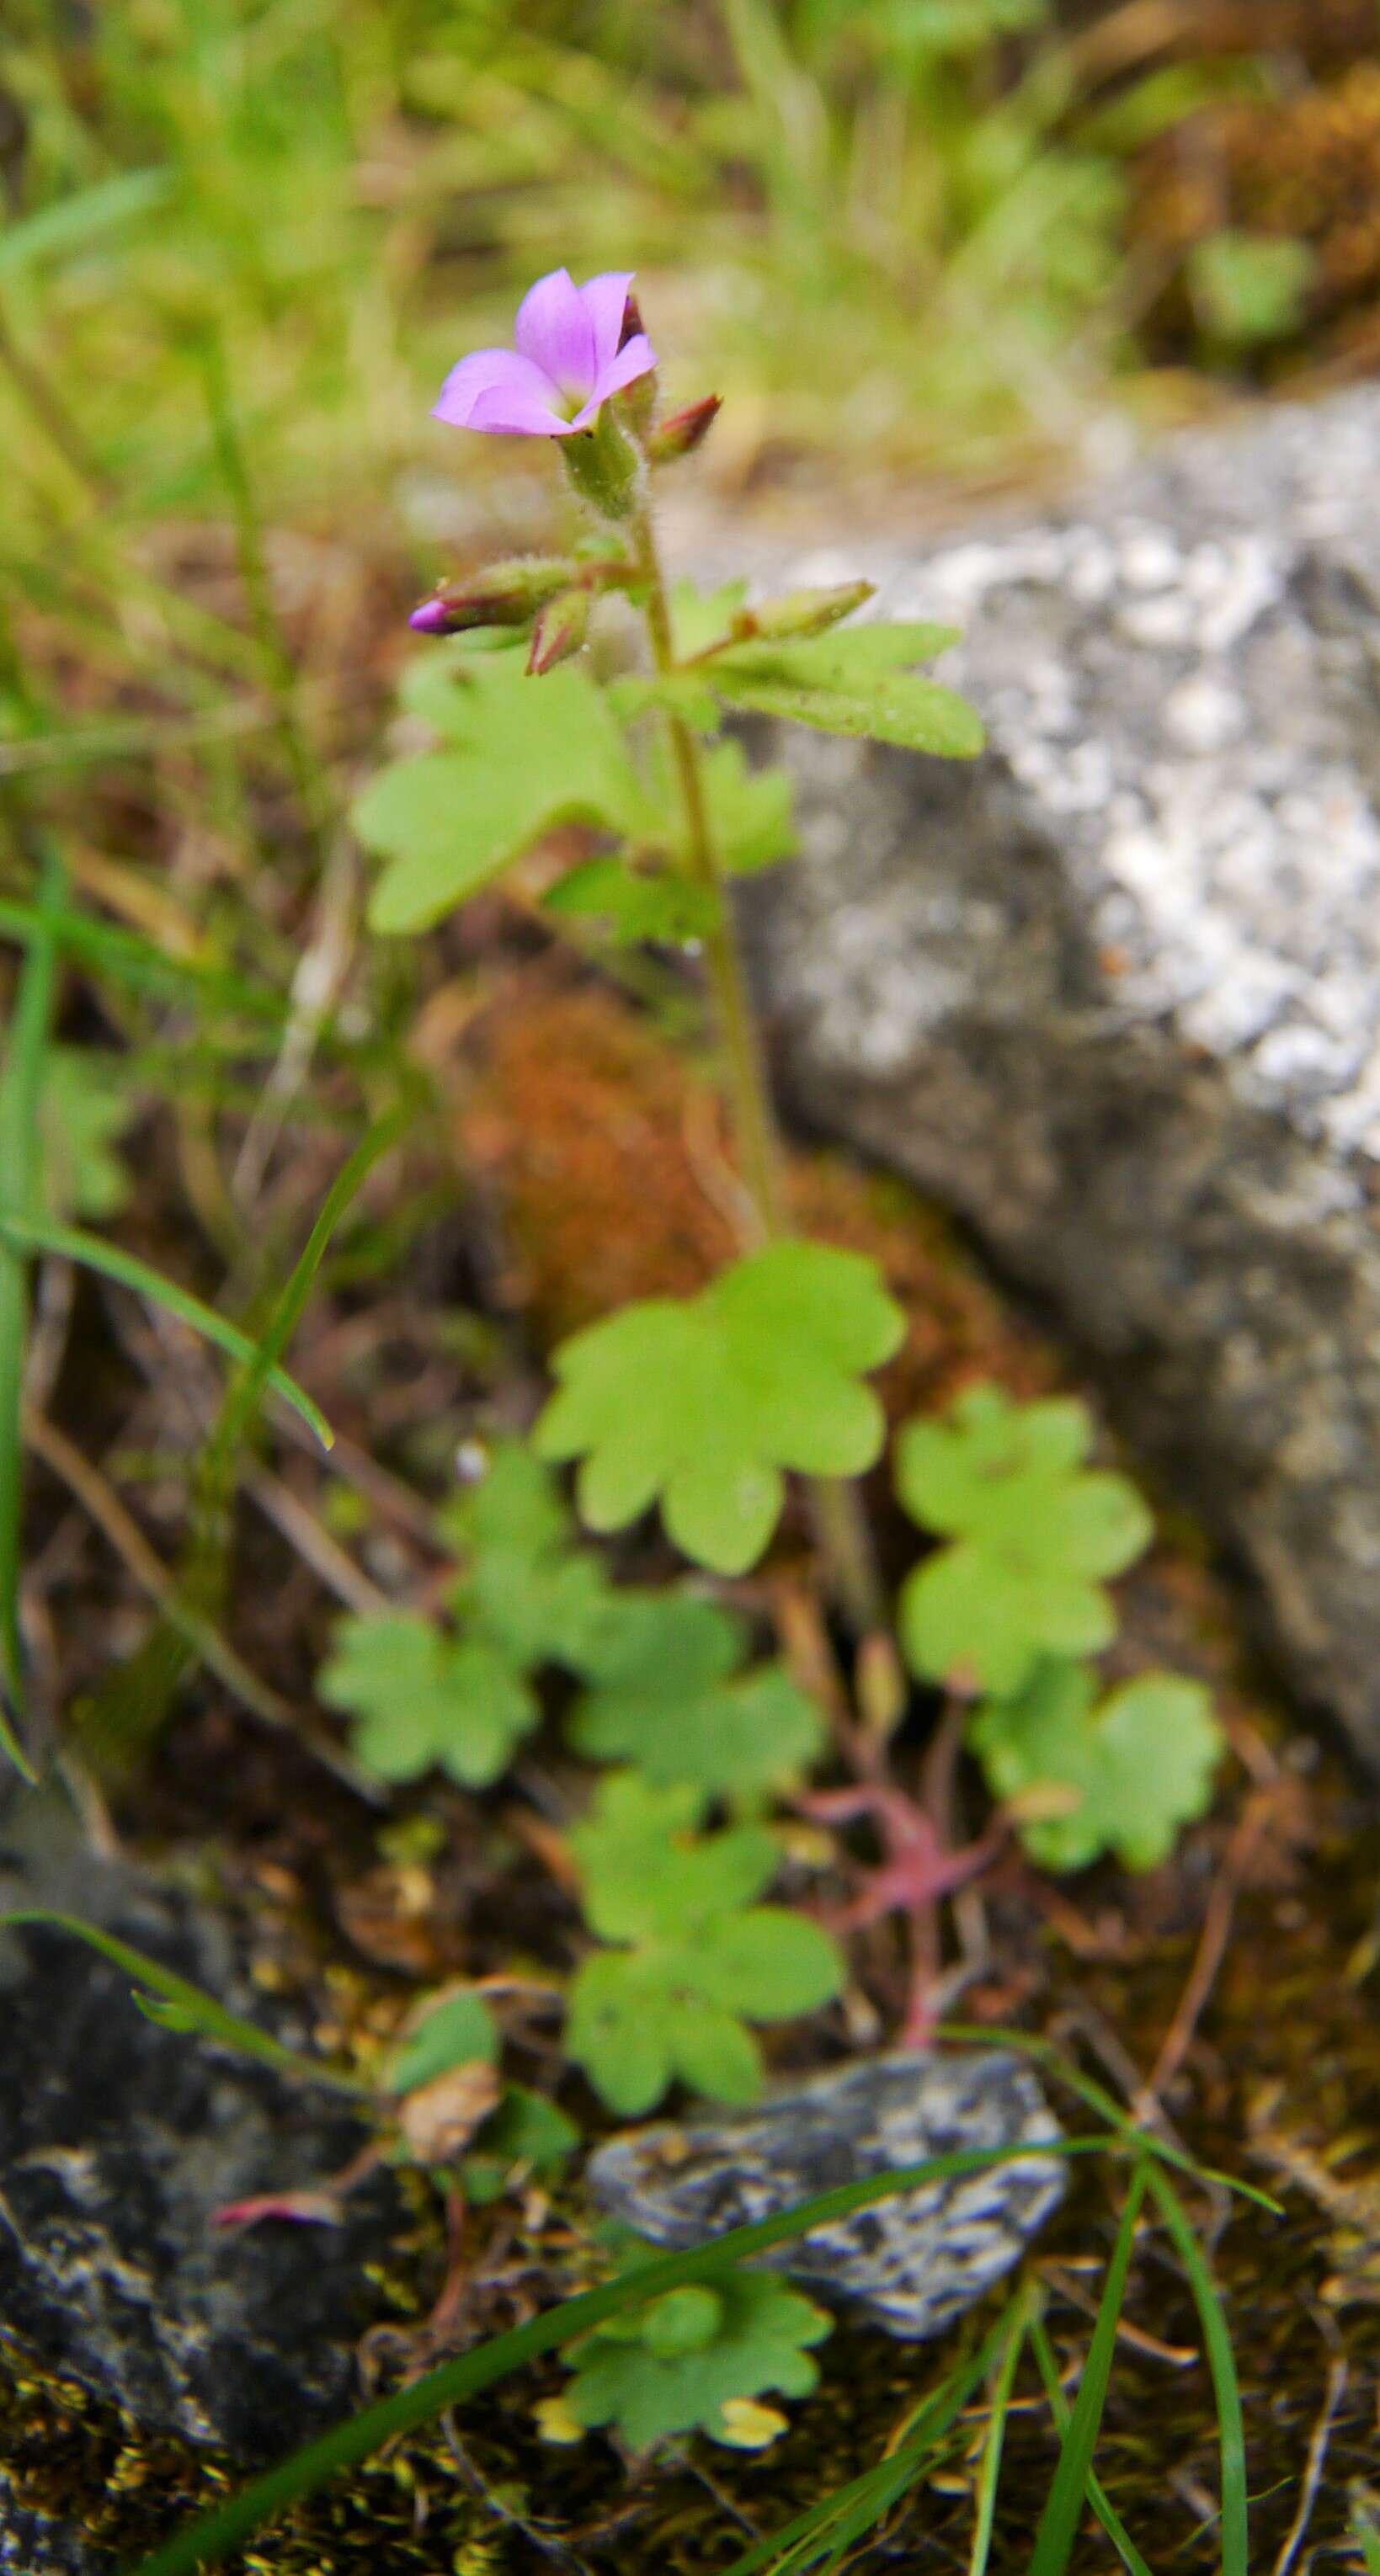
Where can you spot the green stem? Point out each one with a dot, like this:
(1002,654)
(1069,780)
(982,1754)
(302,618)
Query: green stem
(840,1525)
(20,1180)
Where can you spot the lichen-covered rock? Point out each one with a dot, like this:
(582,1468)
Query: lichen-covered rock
(118,2140)
(909,2264)
(1114,991)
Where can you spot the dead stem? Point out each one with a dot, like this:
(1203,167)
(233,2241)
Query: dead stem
(99,1498)
(1212,1949)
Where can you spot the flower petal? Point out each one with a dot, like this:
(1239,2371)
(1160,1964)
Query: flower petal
(605,300)
(638,359)
(495,389)
(520,415)
(554,330)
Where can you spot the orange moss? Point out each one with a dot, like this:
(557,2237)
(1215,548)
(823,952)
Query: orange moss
(611,1178)
(1302,167)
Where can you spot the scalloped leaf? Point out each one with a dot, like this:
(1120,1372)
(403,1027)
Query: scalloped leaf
(693,2359)
(1134,1767)
(701,1403)
(420,1698)
(1031,1533)
(679,1705)
(522,757)
(697,1958)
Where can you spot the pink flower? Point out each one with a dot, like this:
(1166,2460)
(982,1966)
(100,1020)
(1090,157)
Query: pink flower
(565,363)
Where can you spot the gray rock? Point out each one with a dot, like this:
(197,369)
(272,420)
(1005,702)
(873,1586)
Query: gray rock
(909,2264)
(117,2142)
(1114,992)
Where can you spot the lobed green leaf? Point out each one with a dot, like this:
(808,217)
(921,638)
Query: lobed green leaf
(1031,1530)
(1137,1767)
(420,1698)
(855,681)
(672,2366)
(522,759)
(701,1402)
(637,903)
(676,1702)
(699,1958)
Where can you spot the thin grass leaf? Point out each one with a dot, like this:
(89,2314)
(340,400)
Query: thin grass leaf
(20,1090)
(1098,2497)
(72,223)
(841,2519)
(184,2006)
(990,2035)
(212,2536)
(263,1367)
(1064,2504)
(72,1243)
(1020,2317)
(131,960)
(1231,2430)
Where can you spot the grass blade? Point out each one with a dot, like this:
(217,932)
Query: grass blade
(20,1173)
(137,962)
(1097,2098)
(204,2542)
(1064,2505)
(819,2537)
(71,222)
(1098,2497)
(1231,2428)
(263,1367)
(72,1243)
(190,2007)
(1020,2316)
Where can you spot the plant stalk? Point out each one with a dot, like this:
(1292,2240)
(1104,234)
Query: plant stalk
(840,1525)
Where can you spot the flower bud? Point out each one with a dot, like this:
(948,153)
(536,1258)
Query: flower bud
(800,612)
(560,630)
(637,401)
(684,431)
(503,594)
(604,465)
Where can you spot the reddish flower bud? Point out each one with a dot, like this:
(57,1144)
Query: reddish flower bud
(684,431)
(503,594)
(560,630)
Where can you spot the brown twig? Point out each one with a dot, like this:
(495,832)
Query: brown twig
(314,1543)
(1212,1948)
(99,1498)
(1316,2462)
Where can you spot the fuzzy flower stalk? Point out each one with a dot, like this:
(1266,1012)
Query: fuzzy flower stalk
(582,370)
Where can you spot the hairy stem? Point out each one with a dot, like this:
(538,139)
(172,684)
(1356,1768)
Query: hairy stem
(840,1525)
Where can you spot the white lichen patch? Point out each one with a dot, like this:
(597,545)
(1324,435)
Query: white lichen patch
(1156,692)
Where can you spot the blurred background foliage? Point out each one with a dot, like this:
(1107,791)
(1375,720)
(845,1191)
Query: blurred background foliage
(934,231)
(921,247)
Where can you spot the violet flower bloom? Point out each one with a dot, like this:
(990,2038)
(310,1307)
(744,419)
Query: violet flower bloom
(565,363)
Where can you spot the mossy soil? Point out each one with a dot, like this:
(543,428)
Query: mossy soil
(597,1170)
